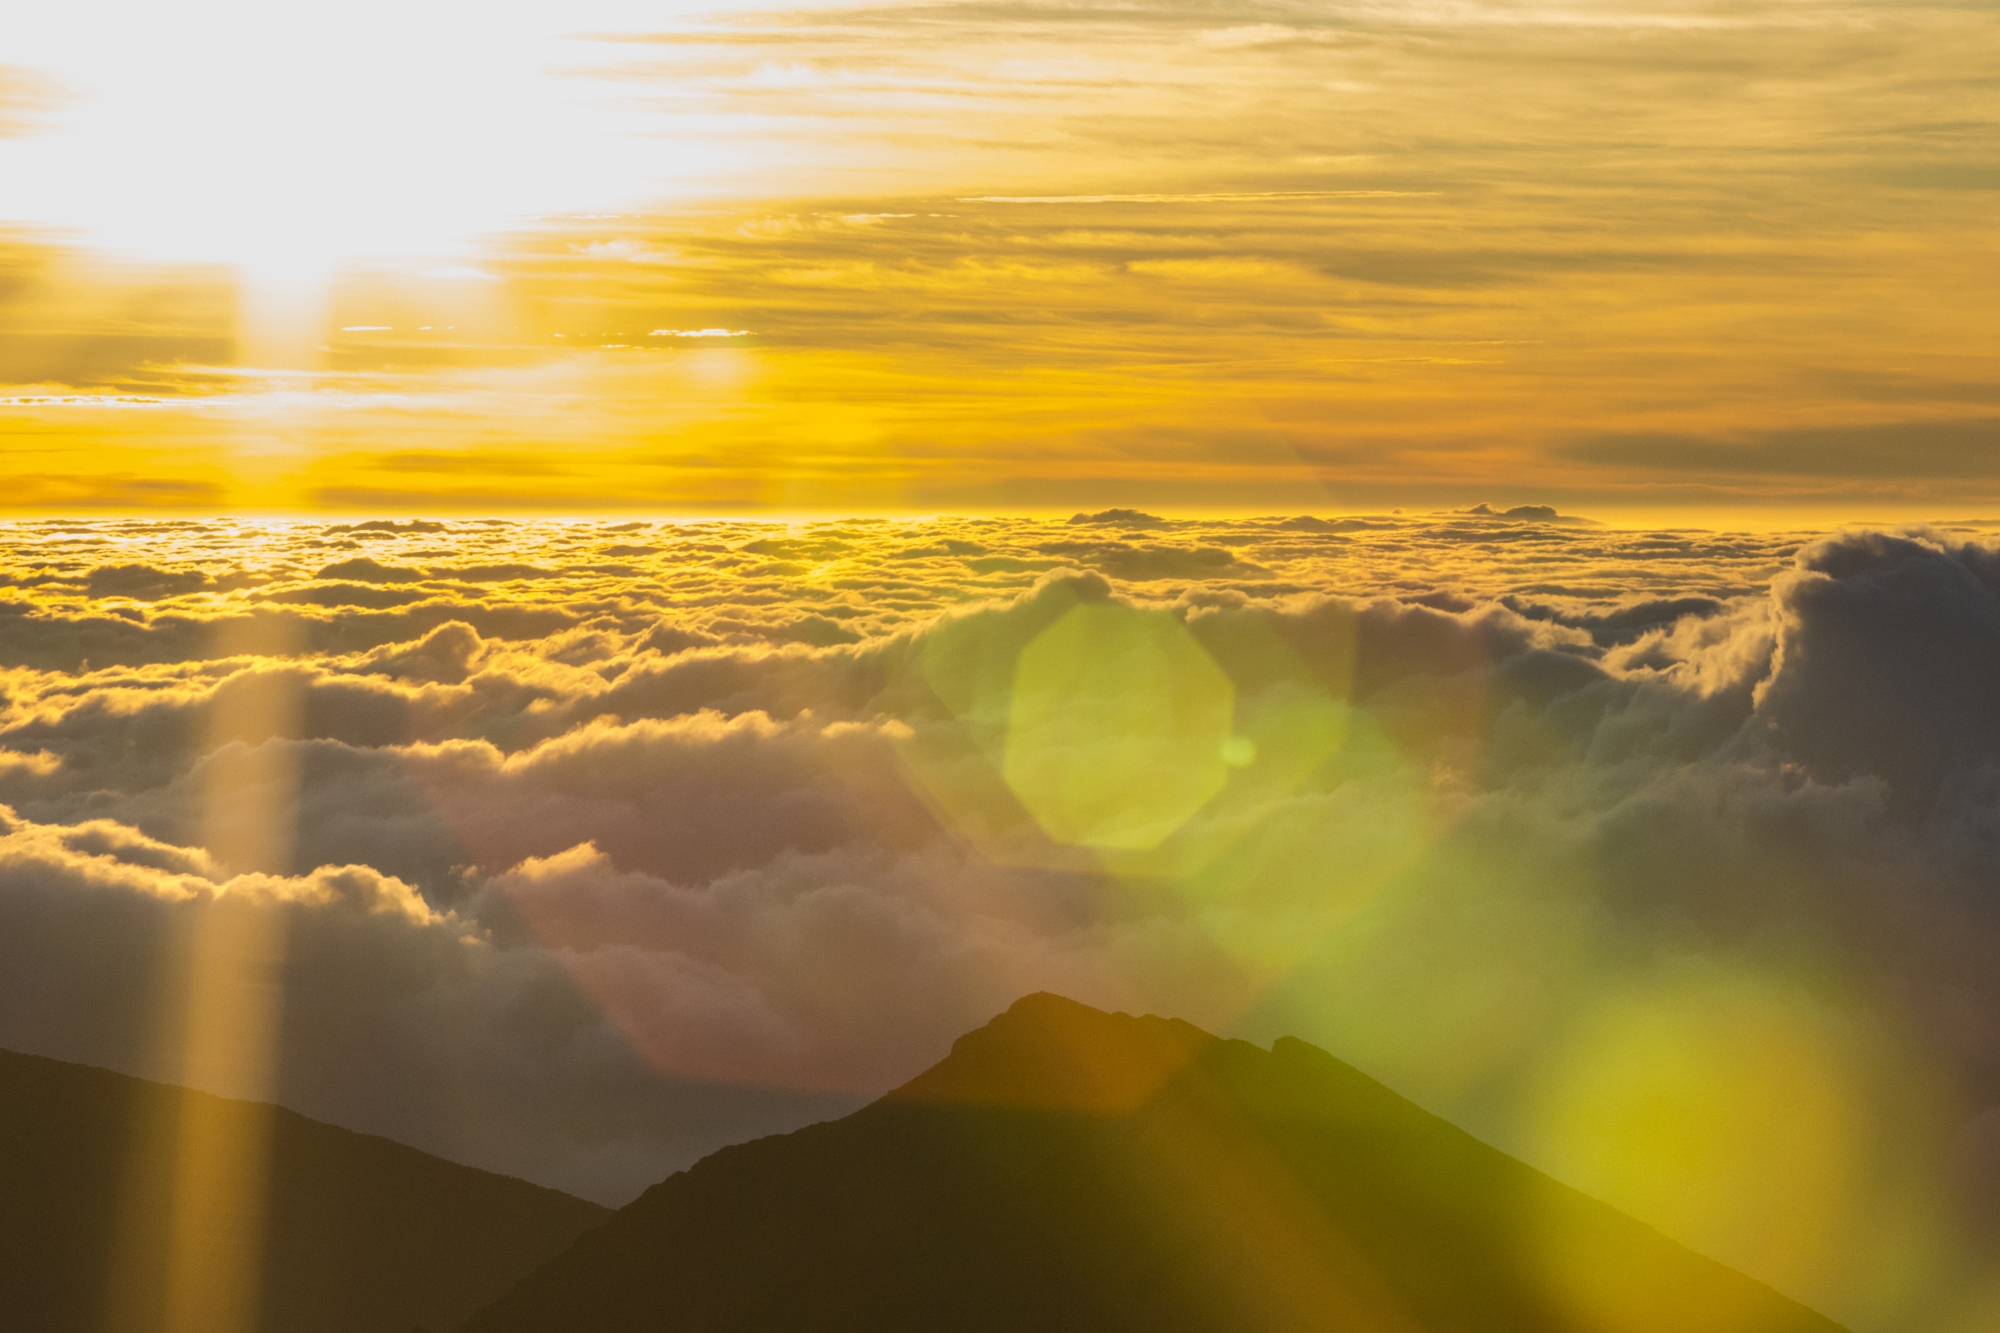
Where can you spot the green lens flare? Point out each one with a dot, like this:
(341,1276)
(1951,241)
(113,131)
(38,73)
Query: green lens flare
(1119,727)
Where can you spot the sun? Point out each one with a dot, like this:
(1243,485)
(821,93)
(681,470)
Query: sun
(285,140)
(279,137)
(285,136)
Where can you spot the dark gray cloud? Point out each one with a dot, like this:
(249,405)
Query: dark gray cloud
(1967,447)
(363,570)
(143,582)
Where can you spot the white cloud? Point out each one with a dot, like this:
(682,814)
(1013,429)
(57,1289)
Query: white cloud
(1256,34)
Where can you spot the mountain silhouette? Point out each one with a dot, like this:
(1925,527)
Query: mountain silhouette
(1068,1169)
(354,1234)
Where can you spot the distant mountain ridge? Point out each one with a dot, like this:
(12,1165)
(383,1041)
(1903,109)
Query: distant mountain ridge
(1068,1169)
(360,1234)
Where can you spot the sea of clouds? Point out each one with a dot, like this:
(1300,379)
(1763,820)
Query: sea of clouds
(591,847)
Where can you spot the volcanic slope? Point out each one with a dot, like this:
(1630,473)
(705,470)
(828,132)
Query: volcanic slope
(356,1234)
(1066,1169)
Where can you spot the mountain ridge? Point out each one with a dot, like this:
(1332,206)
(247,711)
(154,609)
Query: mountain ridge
(1069,1169)
(359,1233)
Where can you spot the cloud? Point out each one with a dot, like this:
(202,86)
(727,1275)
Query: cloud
(67,493)
(347,594)
(363,570)
(26,97)
(1118,518)
(1259,34)
(1147,563)
(143,582)
(1526,514)
(725,836)
(1261,196)
(394,1014)
(81,400)
(1962,448)
(388,527)
(751,977)
(1889,641)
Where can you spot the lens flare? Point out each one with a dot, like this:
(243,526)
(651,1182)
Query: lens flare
(1728,1110)
(1119,727)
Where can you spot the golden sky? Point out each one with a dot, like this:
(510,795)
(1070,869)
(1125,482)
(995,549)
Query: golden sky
(645,258)
(611,467)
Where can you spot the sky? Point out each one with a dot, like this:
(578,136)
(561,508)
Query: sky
(583,583)
(1727,261)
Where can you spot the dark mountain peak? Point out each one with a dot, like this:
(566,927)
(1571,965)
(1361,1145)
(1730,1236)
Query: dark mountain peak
(100,1226)
(1073,1171)
(1053,1053)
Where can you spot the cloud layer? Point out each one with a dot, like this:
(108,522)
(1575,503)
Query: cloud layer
(594,846)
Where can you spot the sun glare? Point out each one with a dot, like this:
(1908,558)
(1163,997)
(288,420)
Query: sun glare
(279,137)
(288,137)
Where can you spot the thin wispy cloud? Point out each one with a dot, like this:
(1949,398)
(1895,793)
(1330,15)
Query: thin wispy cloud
(1217,197)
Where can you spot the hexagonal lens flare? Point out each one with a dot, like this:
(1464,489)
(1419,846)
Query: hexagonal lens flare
(1119,727)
